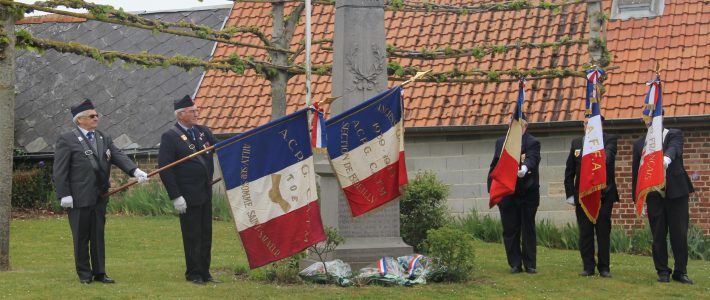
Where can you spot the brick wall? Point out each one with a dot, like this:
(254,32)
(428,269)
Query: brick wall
(696,156)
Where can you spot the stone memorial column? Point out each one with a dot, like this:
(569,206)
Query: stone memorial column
(359,72)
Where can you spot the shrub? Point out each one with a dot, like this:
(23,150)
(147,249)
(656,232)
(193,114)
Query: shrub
(641,241)
(422,208)
(484,228)
(322,249)
(698,244)
(284,271)
(454,250)
(620,241)
(32,187)
(570,236)
(548,235)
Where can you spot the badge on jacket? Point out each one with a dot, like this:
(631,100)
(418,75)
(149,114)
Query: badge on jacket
(577,152)
(522,157)
(108,154)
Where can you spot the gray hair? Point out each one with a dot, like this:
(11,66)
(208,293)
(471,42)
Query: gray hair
(179,110)
(79,115)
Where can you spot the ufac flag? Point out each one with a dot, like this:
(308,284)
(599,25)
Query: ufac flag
(592,174)
(318,136)
(651,174)
(505,174)
(271,187)
(366,148)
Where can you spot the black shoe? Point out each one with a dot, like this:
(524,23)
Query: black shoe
(515,269)
(84,281)
(605,274)
(212,280)
(104,279)
(586,273)
(682,278)
(663,278)
(197,281)
(531,270)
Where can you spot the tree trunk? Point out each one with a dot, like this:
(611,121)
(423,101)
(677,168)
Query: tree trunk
(7,130)
(282,33)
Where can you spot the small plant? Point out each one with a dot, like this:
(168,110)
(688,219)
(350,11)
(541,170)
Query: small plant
(322,249)
(454,250)
(570,237)
(284,271)
(422,208)
(641,241)
(548,235)
(619,240)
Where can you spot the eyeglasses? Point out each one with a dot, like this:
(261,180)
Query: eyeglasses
(92,116)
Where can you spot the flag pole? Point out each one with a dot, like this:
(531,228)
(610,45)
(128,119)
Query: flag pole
(168,166)
(308,53)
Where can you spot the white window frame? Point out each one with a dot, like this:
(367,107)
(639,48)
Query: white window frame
(655,10)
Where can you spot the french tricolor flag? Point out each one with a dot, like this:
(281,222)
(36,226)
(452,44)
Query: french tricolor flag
(592,173)
(366,148)
(505,173)
(318,136)
(271,187)
(651,172)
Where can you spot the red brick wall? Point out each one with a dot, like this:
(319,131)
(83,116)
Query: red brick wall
(696,156)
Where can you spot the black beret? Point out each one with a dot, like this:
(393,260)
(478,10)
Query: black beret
(83,106)
(183,103)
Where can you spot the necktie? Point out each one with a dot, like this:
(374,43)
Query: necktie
(90,135)
(191,132)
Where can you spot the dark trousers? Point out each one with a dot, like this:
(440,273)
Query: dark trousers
(87,229)
(587,230)
(518,220)
(196,226)
(669,216)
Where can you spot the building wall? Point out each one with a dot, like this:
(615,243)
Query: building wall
(463,162)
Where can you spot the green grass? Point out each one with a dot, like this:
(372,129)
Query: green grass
(144,255)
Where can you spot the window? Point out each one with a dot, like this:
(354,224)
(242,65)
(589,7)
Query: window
(625,9)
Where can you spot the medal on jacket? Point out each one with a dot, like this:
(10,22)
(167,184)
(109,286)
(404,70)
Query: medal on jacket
(108,154)
(577,152)
(522,157)
(191,146)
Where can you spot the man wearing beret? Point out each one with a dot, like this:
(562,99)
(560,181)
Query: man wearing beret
(189,185)
(517,211)
(82,167)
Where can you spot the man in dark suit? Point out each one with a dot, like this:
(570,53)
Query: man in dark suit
(189,185)
(668,214)
(517,211)
(82,167)
(609,195)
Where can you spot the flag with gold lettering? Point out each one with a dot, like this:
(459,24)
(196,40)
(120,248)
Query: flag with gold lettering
(592,174)
(651,172)
(271,187)
(366,148)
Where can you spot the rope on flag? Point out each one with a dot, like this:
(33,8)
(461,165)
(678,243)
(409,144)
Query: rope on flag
(318,133)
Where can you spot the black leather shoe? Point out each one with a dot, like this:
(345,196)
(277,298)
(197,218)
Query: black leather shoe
(212,280)
(682,278)
(663,278)
(515,269)
(586,273)
(531,270)
(605,274)
(104,279)
(198,281)
(84,281)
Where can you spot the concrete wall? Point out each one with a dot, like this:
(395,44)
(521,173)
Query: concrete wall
(463,162)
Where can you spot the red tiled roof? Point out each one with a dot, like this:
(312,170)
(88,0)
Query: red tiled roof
(50,18)
(235,103)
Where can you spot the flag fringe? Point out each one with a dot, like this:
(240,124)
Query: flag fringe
(593,189)
(643,193)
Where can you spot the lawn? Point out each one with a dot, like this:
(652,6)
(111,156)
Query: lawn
(144,256)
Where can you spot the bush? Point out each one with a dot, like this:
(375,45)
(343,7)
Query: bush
(641,241)
(422,208)
(284,271)
(570,236)
(698,244)
(486,229)
(454,250)
(548,235)
(620,241)
(32,187)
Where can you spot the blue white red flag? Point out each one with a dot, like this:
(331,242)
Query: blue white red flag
(318,134)
(505,173)
(366,148)
(592,174)
(271,187)
(651,172)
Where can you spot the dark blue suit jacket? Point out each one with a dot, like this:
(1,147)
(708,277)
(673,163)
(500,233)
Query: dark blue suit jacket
(527,188)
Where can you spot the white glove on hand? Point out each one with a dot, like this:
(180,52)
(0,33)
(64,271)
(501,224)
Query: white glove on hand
(180,205)
(140,175)
(67,202)
(666,162)
(570,200)
(523,170)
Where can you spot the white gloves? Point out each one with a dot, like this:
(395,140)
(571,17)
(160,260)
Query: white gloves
(180,205)
(523,170)
(67,202)
(666,162)
(570,200)
(140,175)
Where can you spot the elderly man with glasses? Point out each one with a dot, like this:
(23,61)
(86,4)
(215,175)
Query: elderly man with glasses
(82,168)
